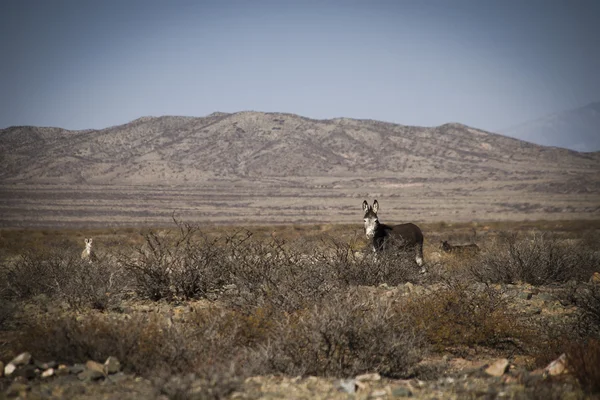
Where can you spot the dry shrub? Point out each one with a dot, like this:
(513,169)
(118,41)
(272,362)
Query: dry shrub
(538,259)
(150,344)
(583,361)
(353,268)
(216,385)
(587,299)
(551,388)
(267,274)
(178,265)
(35,273)
(143,343)
(459,315)
(345,335)
(64,276)
(7,309)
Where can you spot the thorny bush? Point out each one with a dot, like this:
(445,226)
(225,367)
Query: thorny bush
(583,360)
(60,274)
(270,275)
(538,259)
(458,316)
(353,268)
(180,265)
(344,335)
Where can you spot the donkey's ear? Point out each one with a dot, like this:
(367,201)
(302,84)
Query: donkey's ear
(375,206)
(85,240)
(90,240)
(365,206)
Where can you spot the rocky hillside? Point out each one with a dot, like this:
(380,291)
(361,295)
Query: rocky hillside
(253,145)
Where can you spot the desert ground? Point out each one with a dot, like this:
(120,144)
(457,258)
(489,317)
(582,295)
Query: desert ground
(313,201)
(266,310)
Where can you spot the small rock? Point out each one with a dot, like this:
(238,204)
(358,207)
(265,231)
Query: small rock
(595,278)
(375,394)
(20,379)
(557,367)
(230,287)
(498,368)
(21,359)
(90,375)
(347,385)
(9,369)
(27,372)
(118,377)
(44,365)
(546,297)
(401,391)
(63,370)
(479,287)
(76,368)
(48,373)
(17,389)
(368,377)
(94,366)
(525,295)
(112,365)
(535,311)
(536,372)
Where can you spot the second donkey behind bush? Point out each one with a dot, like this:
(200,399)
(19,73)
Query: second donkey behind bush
(467,249)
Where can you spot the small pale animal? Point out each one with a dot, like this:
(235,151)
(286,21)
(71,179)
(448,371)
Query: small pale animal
(384,237)
(458,249)
(87,253)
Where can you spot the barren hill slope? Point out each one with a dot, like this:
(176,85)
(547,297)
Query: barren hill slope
(252,167)
(252,145)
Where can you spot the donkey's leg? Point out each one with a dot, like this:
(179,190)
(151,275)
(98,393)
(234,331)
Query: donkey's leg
(419,257)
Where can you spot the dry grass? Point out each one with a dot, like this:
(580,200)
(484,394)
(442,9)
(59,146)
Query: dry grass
(289,300)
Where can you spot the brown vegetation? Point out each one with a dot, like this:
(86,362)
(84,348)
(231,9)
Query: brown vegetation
(227,305)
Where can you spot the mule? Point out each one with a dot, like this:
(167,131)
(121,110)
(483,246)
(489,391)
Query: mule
(459,249)
(407,237)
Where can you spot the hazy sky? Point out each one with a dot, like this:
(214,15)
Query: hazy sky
(486,63)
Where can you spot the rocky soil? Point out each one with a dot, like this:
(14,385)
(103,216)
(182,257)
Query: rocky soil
(474,374)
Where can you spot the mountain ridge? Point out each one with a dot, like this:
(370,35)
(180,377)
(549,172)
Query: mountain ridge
(252,144)
(576,129)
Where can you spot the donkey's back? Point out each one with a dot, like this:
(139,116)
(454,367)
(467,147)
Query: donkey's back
(403,235)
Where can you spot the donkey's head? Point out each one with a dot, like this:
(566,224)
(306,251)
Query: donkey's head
(88,243)
(371,220)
